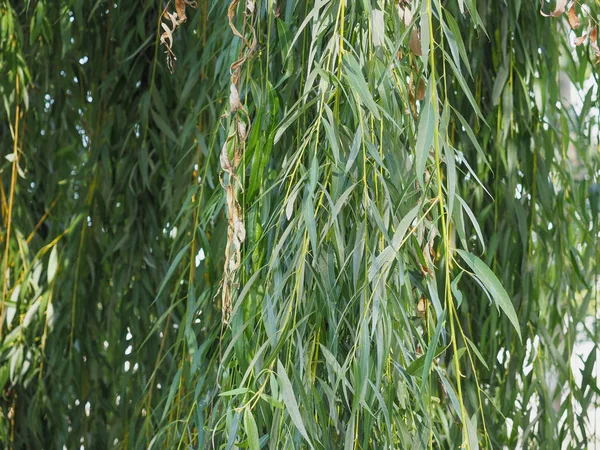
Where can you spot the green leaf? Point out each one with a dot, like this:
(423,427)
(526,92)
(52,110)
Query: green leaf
(493,285)
(356,141)
(171,270)
(16,360)
(451,393)
(418,363)
(465,88)
(429,356)
(52,264)
(289,400)
(232,392)
(477,352)
(424,136)
(472,137)
(349,435)
(473,219)
(455,38)
(451,177)
(390,252)
(251,430)
(359,85)
(164,127)
(172,391)
(472,432)
(308,211)
(499,83)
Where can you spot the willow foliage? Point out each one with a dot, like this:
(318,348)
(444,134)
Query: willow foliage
(299,224)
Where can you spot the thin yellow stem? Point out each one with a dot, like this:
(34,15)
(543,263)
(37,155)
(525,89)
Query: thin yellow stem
(13,183)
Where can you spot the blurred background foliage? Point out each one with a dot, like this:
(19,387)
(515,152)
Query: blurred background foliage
(413,186)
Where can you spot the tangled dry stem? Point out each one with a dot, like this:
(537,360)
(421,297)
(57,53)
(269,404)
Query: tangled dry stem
(176,18)
(236,232)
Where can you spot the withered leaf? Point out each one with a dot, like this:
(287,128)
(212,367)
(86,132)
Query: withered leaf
(594,43)
(561,5)
(581,39)
(167,37)
(421,90)
(411,93)
(176,18)
(422,306)
(415,42)
(406,15)
(225,161)
(573,19)
(242,132)
(234,98)
(180,8)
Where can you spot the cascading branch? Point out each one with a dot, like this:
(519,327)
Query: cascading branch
(389,240)
(234,144)
(177,18)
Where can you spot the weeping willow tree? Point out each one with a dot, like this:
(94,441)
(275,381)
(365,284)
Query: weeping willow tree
(299,224)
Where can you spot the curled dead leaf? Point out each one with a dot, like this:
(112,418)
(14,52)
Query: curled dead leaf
(167,37)
(180,8)
(234,98)
(242,132)
(225,161)
(176,18)
(581,39)
(236,231)
(573,19)
(561,6)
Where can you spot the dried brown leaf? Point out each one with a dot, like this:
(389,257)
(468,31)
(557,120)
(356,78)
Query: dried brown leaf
(176,18)
(581,39)
(236,231)
(242,132)
(415,42)
(174,21)
(167,37)
(225,161)
(234,98)
(594,40)
(573,19)
(421,90)
(561,6)
(406,15)
(594,43)
(231,15)
(180,8)
(422,306)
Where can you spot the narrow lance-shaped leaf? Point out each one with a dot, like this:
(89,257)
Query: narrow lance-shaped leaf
(291,405)
(493,285)
(52,264)
(425,135)
(251,430)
